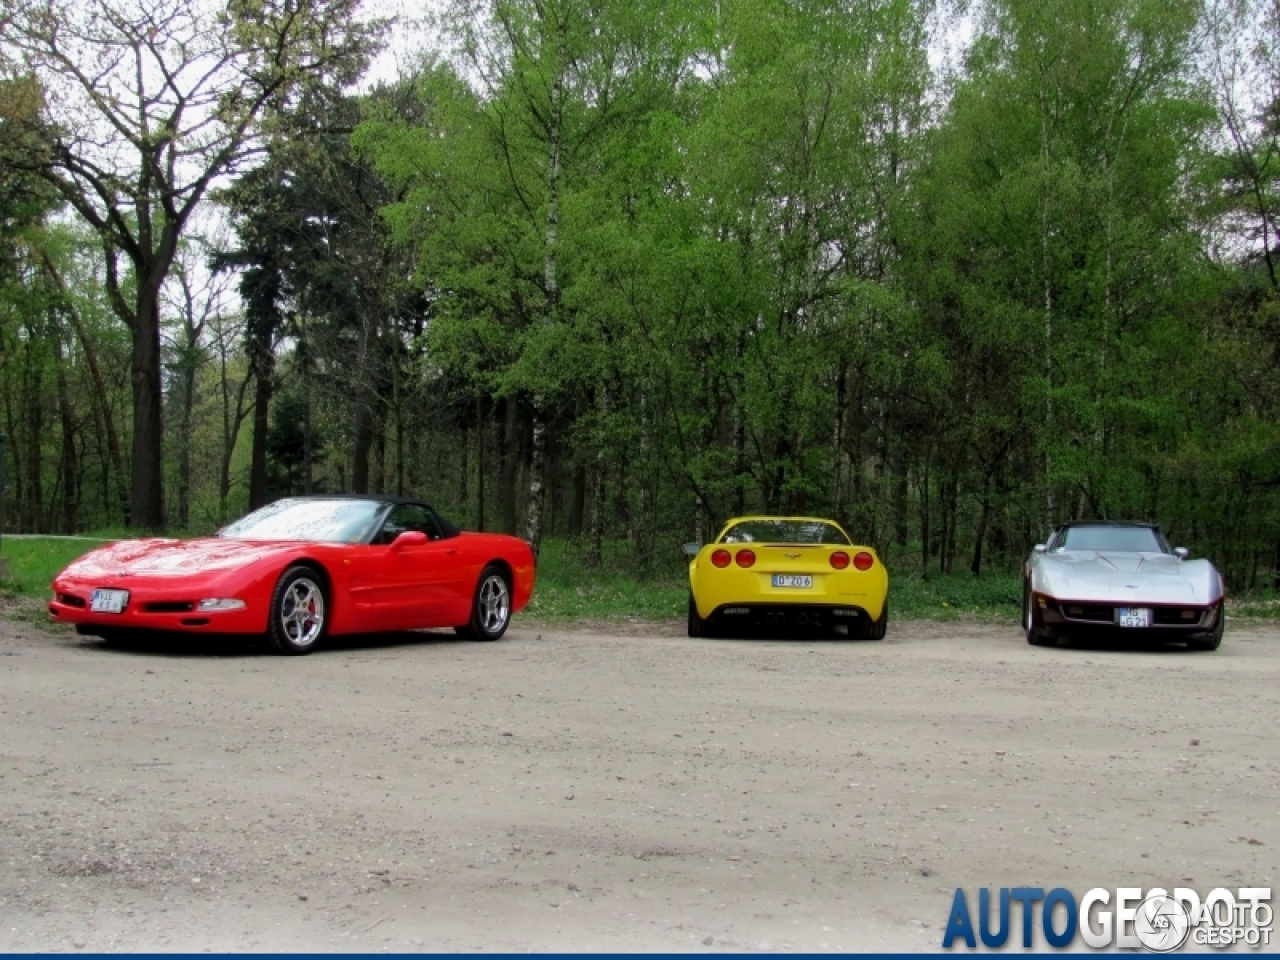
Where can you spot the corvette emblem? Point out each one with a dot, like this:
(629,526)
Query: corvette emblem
(792,556)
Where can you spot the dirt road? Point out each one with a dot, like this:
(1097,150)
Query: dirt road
(588,790)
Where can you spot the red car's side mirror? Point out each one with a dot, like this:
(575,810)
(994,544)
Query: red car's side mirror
(410,538)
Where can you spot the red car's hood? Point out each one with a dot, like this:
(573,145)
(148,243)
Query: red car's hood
(176,558)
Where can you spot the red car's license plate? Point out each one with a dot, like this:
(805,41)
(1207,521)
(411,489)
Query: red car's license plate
(108,601)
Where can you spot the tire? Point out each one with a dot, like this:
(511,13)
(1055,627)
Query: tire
(299,612)
(1035,637)
(1212,640)
(490,607)
(875,629)
(697,626)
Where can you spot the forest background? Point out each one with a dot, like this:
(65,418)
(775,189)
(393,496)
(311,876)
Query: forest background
(604,273)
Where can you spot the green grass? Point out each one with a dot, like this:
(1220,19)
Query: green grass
(34,562)
(1259,605)
(957,596)
(568,590)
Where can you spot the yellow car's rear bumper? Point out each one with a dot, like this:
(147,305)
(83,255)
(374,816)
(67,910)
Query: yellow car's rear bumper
(824,616)
(717,589)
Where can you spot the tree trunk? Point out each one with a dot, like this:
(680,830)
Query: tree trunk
(397,407)
(232,418)
(1050,501)
(924,519)
(70,475)
(264,373)
(537,471)
(33,501)
(308,437)
(975,566)
(363,443)
(739,460)
(898,468)
(640,519)
(115,461)
(464,474)
(950,490)
(146,491)
(577,507)
(481,430)
(378,481)
(595,531)
(184,446)
(507,465)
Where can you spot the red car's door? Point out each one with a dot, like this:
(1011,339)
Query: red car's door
(416,578)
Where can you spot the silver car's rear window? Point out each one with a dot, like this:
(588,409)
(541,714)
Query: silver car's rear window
(1114,539)
(784,531)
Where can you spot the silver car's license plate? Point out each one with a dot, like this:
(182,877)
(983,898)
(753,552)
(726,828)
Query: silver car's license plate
(792,580)
(1133,616)
(108,601)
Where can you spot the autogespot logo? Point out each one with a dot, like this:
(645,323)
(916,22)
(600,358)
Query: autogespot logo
(1128,917)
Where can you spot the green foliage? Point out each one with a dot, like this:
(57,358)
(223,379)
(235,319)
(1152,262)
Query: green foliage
(35,561)
(569,589)
(616,271)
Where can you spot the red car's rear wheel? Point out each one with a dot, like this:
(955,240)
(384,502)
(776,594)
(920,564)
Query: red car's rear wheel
(490,607)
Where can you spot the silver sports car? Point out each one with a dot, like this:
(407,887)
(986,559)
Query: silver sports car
(1120,577)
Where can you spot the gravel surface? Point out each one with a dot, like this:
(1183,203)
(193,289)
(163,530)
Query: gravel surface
(613,789)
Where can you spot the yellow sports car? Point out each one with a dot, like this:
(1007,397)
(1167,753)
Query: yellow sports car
(786,572)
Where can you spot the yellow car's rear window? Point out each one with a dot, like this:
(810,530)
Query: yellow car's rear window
(784,531)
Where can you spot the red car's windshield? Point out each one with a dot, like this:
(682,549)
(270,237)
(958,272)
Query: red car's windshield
(331,521)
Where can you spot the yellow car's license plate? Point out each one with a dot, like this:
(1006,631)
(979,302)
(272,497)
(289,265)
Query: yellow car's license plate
(792,580)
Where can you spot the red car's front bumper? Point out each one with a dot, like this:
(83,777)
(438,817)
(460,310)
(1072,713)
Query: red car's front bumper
(152,608)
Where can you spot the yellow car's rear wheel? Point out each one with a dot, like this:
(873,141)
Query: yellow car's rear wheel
(697,626)
(873,629)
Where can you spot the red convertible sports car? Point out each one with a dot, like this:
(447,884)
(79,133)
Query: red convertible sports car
(301,569)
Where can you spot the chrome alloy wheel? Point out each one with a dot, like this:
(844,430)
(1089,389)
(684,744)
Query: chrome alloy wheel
(302,612)
(494,604)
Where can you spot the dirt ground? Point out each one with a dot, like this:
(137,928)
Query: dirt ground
(613,789)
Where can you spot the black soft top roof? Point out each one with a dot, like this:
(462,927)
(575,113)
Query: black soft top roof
(1105,523)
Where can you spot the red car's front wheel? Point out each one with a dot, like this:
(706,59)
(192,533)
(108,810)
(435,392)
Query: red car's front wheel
(298,612)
